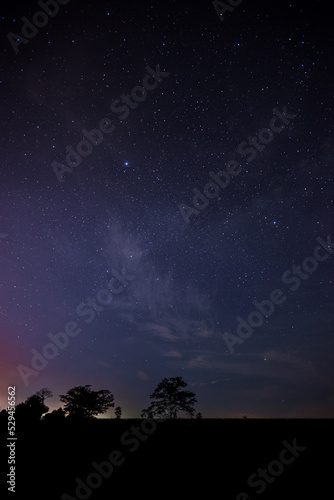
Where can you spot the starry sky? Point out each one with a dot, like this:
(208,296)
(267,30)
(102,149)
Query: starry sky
(125,216)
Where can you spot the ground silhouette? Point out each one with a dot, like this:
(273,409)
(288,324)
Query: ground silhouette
(66,458)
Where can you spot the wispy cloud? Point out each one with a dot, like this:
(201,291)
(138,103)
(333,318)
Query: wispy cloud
(276,364)
(121,248)
(159,330)
(104,364)
(142,375)
(173,354)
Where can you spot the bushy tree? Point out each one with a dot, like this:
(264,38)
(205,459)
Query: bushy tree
(147,413)
(118,412)
(83,403)
(55,417)
(169,398)
(34,406)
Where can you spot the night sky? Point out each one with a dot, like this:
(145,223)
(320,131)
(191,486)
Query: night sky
(150,278)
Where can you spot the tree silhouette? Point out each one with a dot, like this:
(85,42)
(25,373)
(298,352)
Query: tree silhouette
(34,407)
(44,394)
(3,417)
(147,413)
(83,403)
(118,412)
(55,417)
(170,398)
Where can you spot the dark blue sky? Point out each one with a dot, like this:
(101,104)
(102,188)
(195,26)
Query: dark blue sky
(117,212)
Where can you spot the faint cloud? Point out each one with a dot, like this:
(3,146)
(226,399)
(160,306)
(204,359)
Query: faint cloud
(173,354)
(142,375)
(3,236)
(121,248)
(280,357)
(173,329)
(159,331)
(203,331)
(104,364)
(201,361)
